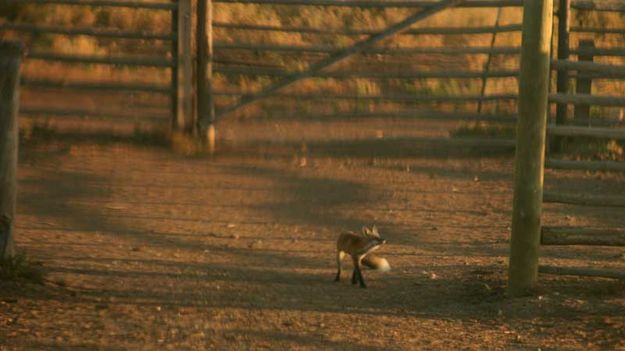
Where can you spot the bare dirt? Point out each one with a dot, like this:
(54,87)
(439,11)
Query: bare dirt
(145,249)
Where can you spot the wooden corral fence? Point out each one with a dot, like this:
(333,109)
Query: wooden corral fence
(219,57)
(178,61)
(320,61)
(580,123)
(527,232)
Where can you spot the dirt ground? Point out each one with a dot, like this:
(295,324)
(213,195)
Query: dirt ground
(146,249)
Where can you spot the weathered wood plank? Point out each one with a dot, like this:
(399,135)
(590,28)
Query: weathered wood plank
(617,71)
(95,86)
(260,71)
(583,271)
(356,32)
(107,3)
(103,60)
(386,97)
(601,166)
(599,5)
(595,132)
(378,4)
(447,50)
(582,236)
(584,199)
(94,32)
(10,57)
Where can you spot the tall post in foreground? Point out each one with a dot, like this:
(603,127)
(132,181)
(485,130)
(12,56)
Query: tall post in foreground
(10,54)
(530,146)
(206,107)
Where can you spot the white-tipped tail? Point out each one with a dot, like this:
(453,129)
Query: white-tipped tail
(377,263)
(383,265)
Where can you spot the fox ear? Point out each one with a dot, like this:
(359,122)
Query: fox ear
(366,231)
(374,229)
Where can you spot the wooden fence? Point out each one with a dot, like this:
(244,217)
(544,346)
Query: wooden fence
(406,54)
(216,56)
(179,90)
(584,70)
(582,124)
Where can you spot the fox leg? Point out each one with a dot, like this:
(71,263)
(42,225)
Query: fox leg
(339,257)
(358,272)
(357,275)
(355,271)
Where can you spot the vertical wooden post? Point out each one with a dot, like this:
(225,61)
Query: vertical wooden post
(562,85)
(488,61)
(530,146)
(564,27)
(584,83)
(10,55)
(184,112)
(174,69)
(182,70)
(206,106)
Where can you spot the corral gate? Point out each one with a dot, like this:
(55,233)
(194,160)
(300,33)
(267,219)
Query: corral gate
(114,75)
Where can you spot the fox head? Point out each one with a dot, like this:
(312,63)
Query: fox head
(373,235)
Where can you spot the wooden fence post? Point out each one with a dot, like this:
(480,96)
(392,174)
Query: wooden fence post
(564,27)
(184,69)
(206,106)
(530,146)
(584,83)
(174,68)
(493,40)
(10,55)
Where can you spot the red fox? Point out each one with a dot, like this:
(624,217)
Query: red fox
(359,247)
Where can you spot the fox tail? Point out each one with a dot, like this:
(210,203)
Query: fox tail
(377,263)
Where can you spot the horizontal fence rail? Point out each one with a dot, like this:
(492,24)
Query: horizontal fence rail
(597,51)
(386,51)
(584,200)
(587,99)
(90,114)
(583,271)
(582,165)
(617,71)
(93,32)
(596,5)
(356,32)
(377,4)
(418,114)
(103,60)
(598,30)
(390,97)
(96,86)
(582,236)
(103,3)
(599,5)
(594,132)
(373,75)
